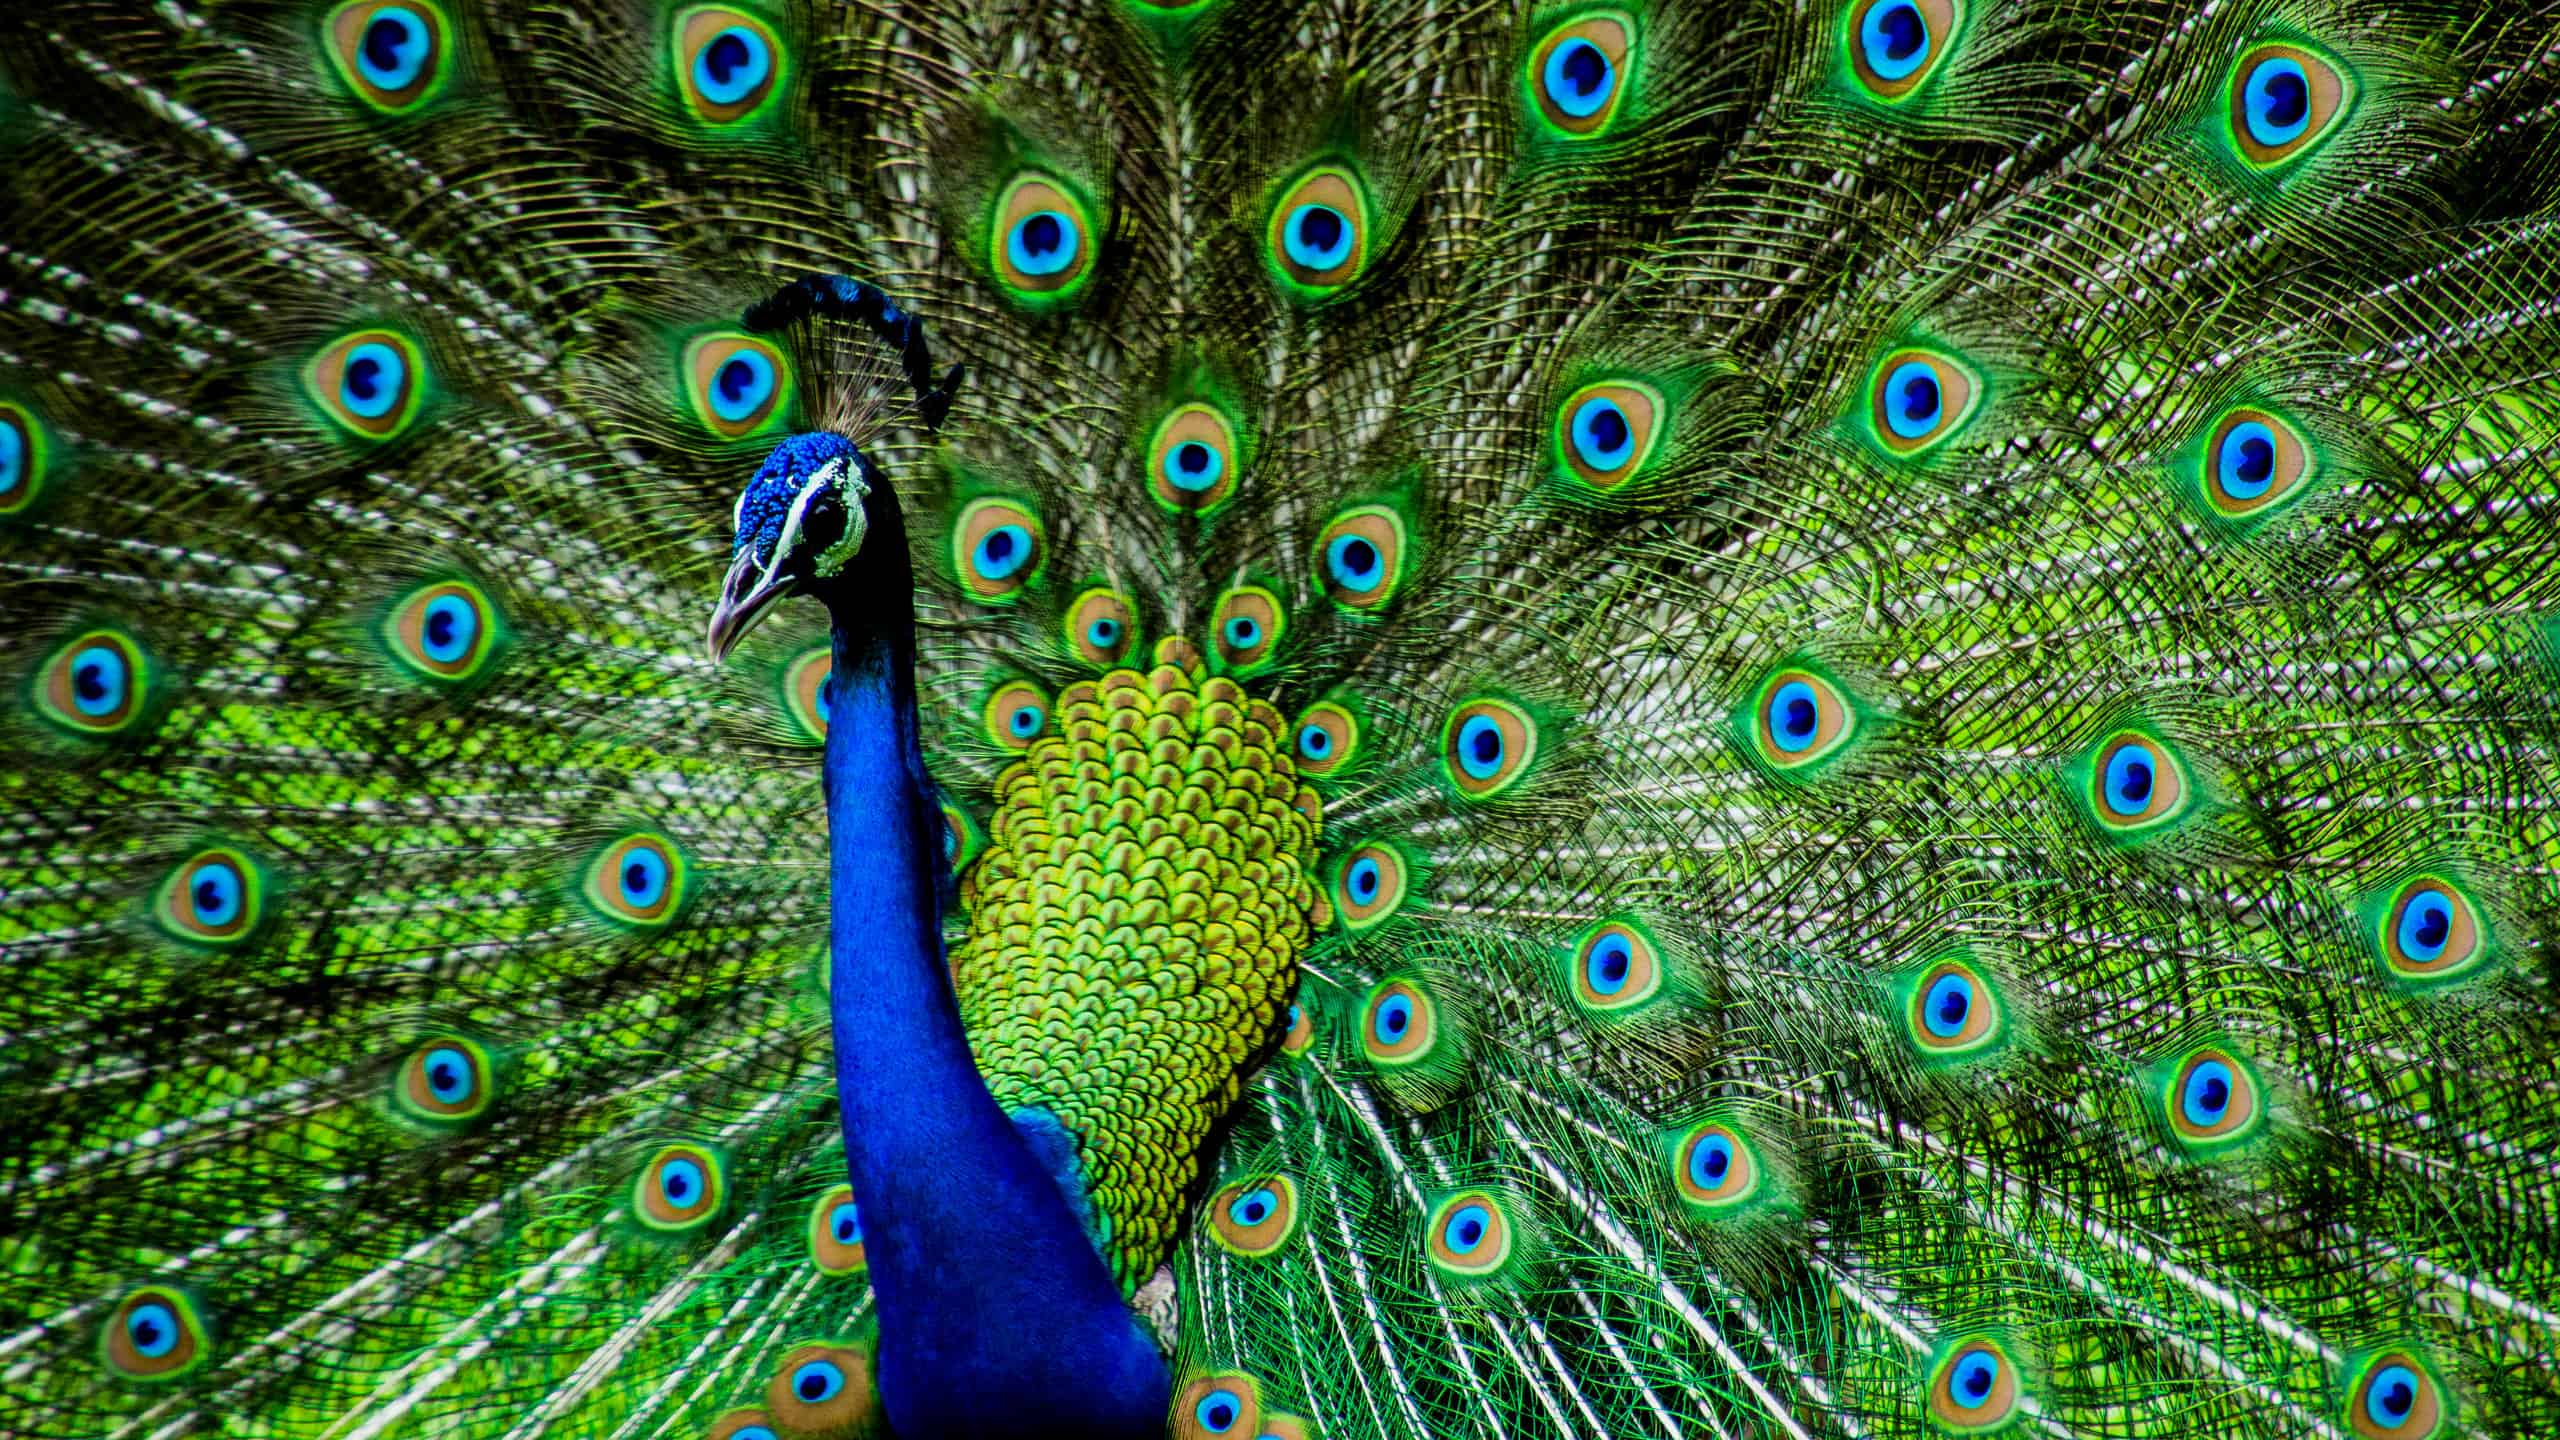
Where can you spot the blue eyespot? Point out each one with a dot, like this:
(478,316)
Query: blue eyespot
(1601,434)
(1318,237)
(1976,1373)
(1103,633)
(2247,464)
(753,1432)
(1948,1003)
(1355,562)
(845,1223)
(1709,1160)
(1894,40)
(449,627)
(214,894)
(1002,551)
(2390,1395)
(2277,101)
(1610,962)
(643,877)
(99,677)
(1243,633)
(2426,923)
(1314,741)
(1027,720)
(1465,1229)
(817,1382)
(374,377)
(1394,1017)
(1795,716)
(2129,779)
(2207,1094)
(681,1182)
(1254,1206)
(732,66)
(1194,466)
(1218,1411)
(395,48)
(13,456)
(742,385)
(1043,242)
(1579,78)
(1363,880)
(1912,403)
(153,1328)
(448,1075)
(1480,747)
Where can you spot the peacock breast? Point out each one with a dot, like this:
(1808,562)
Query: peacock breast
(1134,927)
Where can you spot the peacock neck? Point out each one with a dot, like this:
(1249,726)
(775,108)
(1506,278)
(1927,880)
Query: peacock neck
(994,1307)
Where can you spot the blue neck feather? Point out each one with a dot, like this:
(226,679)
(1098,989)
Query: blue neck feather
(996,1313)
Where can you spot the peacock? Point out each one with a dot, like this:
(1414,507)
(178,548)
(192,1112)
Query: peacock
(805,719)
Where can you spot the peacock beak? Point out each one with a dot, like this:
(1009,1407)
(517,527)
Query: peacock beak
(745,595)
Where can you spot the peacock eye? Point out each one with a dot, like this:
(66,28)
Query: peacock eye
(834,1236)
(2136,783)
(804,690)
(823,1388)
(1369,887)
(996,549)
(1470,1234)
(1920,398)
(680,1189)
(2284,98)
(1245,629)
(1615,967)
(22,458)
(1798,719)
(94,685)
(1713,1168)
(2212,1100)
(2397,1398)
(1400,1025)
(394,54)
(445,631)
(1192,462)
(637,880)
(2432,930)
(741,1425)
(1224,1403)
(1487,746)
(1253,1217)
(1973,1387)
(728,64)
(369,383)
(735,383)
(1101,627)
(154,1334)
(1605,432)
(214,897)
(1954,1010)
(1016,714)
(1327,736)
(2252,461)
(1042,248)
(1577,74)
(444,1083)
(961,837)
(1894,45)
(1319,231)
(1363,556)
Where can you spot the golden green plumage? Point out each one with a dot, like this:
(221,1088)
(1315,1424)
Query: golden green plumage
(1135,925)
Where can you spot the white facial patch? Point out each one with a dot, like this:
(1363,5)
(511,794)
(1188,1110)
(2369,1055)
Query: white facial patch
(850,487)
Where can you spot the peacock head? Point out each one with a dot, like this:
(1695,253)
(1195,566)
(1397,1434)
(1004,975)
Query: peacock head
(800,523)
